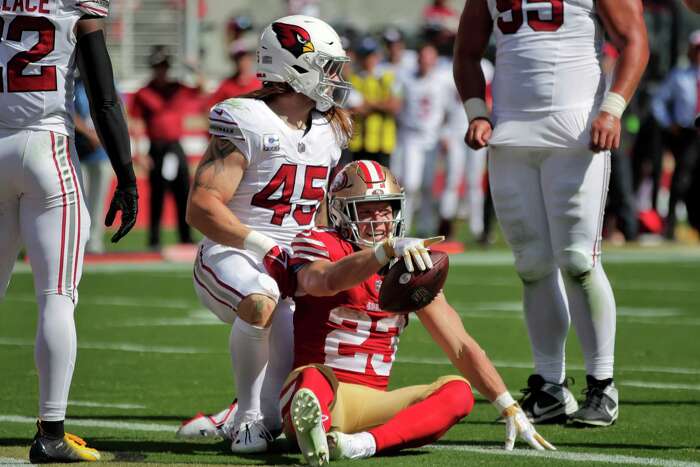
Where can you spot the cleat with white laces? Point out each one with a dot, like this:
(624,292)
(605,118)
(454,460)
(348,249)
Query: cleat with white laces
(46,449)
(545,402)
(250,438)
(307,420)
(202,425)
(350,446)
(601,406)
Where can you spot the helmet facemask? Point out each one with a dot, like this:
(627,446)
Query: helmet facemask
(344,216)
(323,82)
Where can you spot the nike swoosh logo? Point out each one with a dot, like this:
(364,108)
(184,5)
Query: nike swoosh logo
(218,112)
(537,410)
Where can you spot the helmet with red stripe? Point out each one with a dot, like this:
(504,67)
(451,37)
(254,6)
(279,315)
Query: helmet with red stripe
(362,182)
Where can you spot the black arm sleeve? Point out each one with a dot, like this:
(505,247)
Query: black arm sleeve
(105,105)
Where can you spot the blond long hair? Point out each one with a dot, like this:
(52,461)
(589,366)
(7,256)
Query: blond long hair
(340,119)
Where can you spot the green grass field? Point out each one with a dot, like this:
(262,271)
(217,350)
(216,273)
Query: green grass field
(150,356)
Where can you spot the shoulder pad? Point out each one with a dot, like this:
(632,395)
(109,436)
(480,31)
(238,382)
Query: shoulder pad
(98,8)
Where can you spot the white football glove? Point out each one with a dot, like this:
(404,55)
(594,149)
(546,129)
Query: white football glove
(410,249)
(518,425)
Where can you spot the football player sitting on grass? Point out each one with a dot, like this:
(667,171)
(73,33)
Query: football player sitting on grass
(335,403)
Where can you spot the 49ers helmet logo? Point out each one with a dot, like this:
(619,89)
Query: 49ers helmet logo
(293,38)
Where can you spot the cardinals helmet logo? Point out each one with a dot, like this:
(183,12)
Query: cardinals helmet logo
(293,38)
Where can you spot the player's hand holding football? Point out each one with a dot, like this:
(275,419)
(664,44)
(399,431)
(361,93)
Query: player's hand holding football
(479,133)
(410,249)
(605,132)
(518,425)
(126,200)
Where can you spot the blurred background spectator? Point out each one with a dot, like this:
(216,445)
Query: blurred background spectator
(426,95)
(158,106)
(378,104)
(382,38)
(243,80)
(95,167)
(675,104)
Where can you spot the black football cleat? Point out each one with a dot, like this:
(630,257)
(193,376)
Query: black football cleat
(601,406)
(545,402)
(70,448)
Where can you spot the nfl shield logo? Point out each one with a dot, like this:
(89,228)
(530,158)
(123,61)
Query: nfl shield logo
(378,284)
(271,142)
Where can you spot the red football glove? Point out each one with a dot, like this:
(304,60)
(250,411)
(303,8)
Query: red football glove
(276,263)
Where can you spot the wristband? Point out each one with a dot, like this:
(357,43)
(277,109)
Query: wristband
(503,401)
(614,104)
(258,243)
(476,108)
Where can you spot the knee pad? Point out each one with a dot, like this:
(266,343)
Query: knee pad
(268,287)
(575,263)
(533,265)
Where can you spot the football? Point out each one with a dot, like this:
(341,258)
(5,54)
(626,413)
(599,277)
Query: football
(403,291)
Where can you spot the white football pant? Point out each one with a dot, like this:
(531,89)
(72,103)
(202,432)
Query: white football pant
(550,204)
(261,357)
(42,207)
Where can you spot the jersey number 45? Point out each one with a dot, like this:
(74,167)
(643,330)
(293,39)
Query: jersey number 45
(277,194)
(46,79)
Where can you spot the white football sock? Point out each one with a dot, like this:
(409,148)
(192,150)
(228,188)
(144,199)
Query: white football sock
(250,352)
(593,314)
(280,365)
(547,320)
(54,355)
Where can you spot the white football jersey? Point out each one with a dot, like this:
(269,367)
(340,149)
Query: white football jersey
(548,78)
(37,59)
(425,100)
(288,170)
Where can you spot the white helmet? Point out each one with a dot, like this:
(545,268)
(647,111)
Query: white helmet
(306,53)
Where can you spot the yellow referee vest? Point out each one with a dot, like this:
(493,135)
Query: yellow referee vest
(375,132)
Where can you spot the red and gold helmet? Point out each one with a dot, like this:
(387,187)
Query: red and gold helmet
(361,182)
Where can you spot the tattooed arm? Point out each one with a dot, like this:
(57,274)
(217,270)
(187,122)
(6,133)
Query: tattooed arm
(215,181)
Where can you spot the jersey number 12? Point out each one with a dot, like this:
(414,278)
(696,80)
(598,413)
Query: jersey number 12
(534,19)
(16,80)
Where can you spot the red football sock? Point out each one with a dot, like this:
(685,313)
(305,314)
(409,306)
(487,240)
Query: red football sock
(426,421)
(312,379)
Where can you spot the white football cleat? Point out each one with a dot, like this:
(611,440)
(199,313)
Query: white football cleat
(250,438)
(351,446)
(202,425)
(307,420)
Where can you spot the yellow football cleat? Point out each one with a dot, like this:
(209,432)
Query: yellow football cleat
(70,448)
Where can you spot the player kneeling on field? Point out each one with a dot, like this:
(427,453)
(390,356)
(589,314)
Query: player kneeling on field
(335,402)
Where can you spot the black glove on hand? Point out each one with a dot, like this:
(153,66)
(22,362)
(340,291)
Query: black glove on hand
(125,200)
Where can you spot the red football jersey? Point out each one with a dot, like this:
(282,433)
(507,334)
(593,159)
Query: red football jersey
(347,332)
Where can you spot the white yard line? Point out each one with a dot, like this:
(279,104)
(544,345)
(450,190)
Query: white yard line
(115,301)
(568,456)
(528,365)
(119,346)
(107,405)
(652,385)
(558,455)
(89,422)
(12,461)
